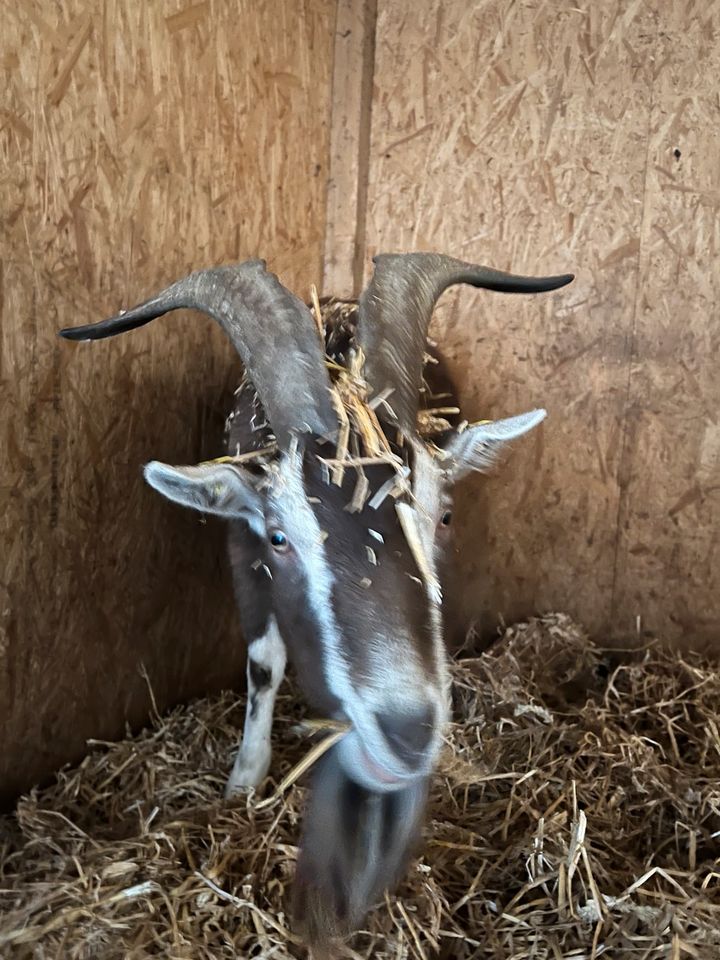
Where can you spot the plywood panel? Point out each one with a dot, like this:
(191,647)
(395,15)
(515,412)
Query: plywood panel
(668,564)
(138,141)
(353,68)
(515,135)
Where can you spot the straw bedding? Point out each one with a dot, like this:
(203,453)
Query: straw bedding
(576,815)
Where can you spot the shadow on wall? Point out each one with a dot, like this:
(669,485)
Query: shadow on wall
(469,624)
(107,592)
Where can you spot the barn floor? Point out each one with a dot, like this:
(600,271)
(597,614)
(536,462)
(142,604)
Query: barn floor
(577,815)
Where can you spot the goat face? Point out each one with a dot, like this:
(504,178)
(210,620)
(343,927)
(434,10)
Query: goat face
(355,608)
(356,595)
(351,582)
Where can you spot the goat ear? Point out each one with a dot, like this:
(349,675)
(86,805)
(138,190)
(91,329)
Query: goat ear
(479,446)
(219,488)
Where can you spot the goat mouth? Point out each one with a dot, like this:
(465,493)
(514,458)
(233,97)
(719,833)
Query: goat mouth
(377,772)
(361,766)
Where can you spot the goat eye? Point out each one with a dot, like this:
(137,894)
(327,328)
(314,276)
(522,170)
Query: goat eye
(279,541)
(446,518)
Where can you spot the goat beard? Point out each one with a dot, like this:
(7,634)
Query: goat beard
(355,845)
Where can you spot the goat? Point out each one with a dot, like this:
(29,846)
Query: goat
(339,512)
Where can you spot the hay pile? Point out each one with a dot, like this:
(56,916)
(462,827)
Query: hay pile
(577,815)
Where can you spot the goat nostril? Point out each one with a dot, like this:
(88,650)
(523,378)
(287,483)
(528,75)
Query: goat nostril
(408,733)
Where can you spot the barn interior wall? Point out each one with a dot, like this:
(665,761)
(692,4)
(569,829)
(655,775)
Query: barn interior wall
(139,141)
(547,138)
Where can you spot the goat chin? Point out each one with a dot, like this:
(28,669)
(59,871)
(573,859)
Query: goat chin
(368,772)
(356,844)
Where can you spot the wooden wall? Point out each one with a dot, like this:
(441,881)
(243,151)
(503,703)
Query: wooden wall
(138,141)
(547,137)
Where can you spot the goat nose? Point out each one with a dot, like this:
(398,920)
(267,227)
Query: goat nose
(408,733)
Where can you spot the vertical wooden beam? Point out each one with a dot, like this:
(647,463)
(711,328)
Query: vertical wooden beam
(349,146)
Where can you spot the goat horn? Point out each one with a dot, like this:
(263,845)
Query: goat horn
(265,322)
(395,311)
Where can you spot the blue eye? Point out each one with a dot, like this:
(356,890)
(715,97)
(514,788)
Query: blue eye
(279,541)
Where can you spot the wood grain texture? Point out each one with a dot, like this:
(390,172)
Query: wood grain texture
(668,560)
(538,137)
(353,66)
(138,141)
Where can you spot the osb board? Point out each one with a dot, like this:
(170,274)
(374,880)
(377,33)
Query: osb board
(668,566)
(354,49)
(139,141)
(539,137)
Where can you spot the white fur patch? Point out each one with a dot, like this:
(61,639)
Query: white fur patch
(253,758)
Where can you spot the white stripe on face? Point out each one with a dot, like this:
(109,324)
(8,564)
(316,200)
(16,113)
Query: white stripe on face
(303,530)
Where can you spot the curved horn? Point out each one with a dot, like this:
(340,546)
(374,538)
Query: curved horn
(271,329)
(395,312)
